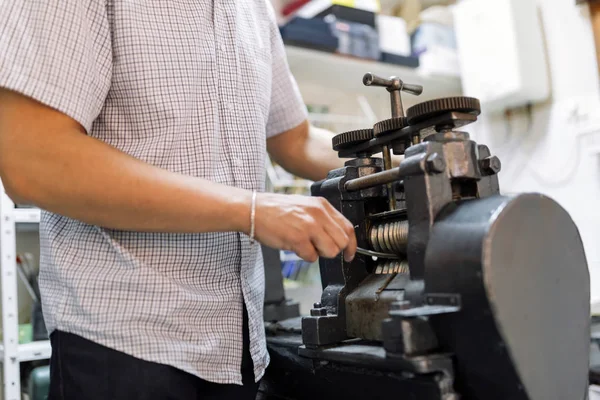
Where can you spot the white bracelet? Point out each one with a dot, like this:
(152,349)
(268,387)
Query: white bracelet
(252,215)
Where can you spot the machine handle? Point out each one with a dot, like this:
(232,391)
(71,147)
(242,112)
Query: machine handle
(392,83)
(412,89)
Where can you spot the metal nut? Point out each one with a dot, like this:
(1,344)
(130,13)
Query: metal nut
(435,163)
(318,312)
(490,165)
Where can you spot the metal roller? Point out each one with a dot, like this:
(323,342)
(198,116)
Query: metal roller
(389,237)
(392,267)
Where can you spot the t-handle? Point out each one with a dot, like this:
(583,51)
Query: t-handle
(394,85)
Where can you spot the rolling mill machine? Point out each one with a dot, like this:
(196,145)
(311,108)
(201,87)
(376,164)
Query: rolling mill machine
(457,291)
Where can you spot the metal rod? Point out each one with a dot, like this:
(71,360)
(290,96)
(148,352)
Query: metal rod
(377,254)
(397,109)
(369,181)
(387,165)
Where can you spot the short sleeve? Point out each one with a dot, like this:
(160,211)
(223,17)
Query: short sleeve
(287,108)
(57,52)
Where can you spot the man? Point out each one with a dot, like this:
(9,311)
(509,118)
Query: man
(142,128)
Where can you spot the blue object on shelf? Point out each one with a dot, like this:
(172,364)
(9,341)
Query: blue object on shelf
(330,34)
(312,33)
(358,40)
(293,267)
(411,62)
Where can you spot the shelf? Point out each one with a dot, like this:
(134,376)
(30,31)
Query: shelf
(39,350)
(27,215)
(342,73)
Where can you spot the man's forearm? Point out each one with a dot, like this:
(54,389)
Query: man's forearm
(318,155)
(306,151)
(67,172)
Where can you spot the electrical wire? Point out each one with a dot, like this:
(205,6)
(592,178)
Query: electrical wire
(541,180)
(536,176)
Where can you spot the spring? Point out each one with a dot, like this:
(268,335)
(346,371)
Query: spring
(389,237)
(393,267)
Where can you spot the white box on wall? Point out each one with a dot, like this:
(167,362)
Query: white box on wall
(501,50)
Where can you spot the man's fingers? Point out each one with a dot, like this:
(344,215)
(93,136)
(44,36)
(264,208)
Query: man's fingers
(337,232)
(346,227)
(350,250)
(324,243)
(306,251)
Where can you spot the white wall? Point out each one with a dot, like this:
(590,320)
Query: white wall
(560,155)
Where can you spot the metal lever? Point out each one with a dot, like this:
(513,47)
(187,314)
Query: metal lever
(394,85)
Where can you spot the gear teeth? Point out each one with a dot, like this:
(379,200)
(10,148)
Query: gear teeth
(350,138)
(387,125)
(422,111)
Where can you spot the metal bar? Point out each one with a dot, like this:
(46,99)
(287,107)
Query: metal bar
(40,350)
(377,254)
(369,181)
(408,167)
(396,100)
(8,276)
(387,165)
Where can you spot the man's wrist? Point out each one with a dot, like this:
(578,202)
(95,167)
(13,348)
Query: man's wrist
(239,209)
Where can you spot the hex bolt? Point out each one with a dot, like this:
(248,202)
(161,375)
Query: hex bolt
(490,165)
(435,163)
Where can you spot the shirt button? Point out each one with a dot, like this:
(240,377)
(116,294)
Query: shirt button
(229,106)
(238,162)
(222,47)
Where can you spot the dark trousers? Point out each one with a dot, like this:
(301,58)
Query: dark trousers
(84,370)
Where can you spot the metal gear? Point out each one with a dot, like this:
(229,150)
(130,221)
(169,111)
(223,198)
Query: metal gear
(387,125)
(350,138)
(428,109)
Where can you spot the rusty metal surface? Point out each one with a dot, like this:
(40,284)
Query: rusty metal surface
(366,309)
(461,159)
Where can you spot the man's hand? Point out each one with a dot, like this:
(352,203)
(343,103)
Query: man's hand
(308,226)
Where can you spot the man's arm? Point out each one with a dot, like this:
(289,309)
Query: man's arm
(46,159)
(306,151)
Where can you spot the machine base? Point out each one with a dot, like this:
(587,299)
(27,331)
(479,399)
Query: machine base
(351,371)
